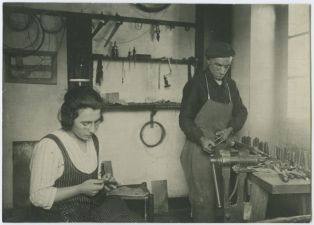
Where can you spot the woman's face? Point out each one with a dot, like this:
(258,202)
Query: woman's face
(86,123)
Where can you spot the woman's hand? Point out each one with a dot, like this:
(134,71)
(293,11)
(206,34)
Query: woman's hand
(110,182)
(91,187)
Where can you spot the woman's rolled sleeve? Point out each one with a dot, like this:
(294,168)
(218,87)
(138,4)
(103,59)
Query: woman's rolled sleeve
(46,168)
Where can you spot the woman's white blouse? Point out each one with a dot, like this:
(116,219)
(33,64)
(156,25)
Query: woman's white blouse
(47,166)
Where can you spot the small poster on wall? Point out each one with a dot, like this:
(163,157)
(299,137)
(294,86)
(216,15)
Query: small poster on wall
(35,68)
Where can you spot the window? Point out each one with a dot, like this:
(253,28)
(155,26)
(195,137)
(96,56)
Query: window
(299,62)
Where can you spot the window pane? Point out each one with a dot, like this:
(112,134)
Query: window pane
(299,56)
(299,19)
(298,98)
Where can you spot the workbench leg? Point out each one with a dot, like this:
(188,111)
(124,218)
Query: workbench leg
(305,204)
(258,200)
(226,179)
(150,208)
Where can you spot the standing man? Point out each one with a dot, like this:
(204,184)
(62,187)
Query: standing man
(211,108)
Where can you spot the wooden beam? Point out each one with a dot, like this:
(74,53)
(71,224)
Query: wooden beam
(99,16)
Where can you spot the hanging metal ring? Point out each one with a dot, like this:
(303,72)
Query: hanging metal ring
(163,133)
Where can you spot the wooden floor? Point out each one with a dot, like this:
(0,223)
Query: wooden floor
(179,210)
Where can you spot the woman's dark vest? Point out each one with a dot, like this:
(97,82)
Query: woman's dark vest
(71,176)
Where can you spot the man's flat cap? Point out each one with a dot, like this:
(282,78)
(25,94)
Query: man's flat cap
(219,50)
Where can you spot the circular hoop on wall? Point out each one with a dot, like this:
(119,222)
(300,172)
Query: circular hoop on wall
(163,133)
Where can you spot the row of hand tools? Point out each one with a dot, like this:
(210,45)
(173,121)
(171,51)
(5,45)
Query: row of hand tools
(288,163)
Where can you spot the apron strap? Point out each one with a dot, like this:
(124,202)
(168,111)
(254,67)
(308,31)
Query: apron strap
(229,92)
(208,96)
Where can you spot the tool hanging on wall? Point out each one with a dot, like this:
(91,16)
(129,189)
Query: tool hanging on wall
(159,76)
(134,55)
(123,73)
(99,72)
(157,31)
(115,51)
(166,82)
(129,58)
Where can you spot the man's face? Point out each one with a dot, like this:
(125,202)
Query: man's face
(219,66)
(86,123)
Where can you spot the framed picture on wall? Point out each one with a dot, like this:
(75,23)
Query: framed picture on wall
(30,67)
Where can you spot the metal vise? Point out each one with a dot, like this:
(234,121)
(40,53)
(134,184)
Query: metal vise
(237,159)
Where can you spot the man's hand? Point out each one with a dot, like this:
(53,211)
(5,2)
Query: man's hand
(110,182)
(91,187)
(224,134)
(207,144)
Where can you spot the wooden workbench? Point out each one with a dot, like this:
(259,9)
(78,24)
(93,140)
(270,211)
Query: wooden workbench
(266,183)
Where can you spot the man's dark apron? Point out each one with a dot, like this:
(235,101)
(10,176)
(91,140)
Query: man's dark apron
(212,117)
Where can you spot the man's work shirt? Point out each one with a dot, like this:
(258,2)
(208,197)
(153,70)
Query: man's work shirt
(195,95)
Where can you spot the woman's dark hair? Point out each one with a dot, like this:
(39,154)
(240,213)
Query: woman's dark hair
(75,99)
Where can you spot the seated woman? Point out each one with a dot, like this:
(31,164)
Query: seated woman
(64,167)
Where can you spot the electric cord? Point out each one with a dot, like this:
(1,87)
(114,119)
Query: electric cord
(163,133)
(55,30)
(235,188)
(31,42)
(14,26)
(134,39)
(24,54)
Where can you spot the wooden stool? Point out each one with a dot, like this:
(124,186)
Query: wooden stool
(137,192)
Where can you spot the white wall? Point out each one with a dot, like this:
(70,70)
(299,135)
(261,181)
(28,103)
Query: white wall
(254,67)
(241,65)
(260,69)
(133,162)
(30,111)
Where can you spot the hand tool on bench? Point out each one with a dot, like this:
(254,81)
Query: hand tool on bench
(255,142)
(282,176)
(252,149)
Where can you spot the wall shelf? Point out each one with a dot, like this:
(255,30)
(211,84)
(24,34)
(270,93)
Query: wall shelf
(142,107)
(184,61)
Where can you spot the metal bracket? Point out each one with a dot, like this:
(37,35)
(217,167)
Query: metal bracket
(116,27)
(152,114)
(99,26)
